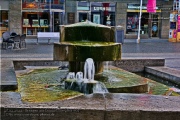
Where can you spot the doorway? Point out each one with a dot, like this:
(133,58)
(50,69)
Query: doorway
(154,25)
(83,17)
(57,20)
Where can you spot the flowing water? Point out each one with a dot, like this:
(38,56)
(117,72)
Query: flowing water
(85,84)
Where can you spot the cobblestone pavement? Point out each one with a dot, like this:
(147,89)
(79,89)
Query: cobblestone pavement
(147,48)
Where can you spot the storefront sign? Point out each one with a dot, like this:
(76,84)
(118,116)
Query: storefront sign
(102,8)
(138,7)
(71,18)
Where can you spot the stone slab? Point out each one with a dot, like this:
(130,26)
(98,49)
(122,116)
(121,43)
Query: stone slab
(98,107)
(142,107)
(138,65)
(8,76)
(167,73)
(8,98)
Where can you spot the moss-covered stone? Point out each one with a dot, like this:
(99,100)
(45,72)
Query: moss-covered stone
(43,85)
(87,31)
(80,51)
(84,40)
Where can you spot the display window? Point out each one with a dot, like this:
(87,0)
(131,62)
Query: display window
(103,13)
(3,21)
(41,16)
(133,23)
(34,22)
(4,18)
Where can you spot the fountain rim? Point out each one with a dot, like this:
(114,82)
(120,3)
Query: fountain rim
(87,43)
(87,24)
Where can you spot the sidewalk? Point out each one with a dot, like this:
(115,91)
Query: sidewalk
(147,48)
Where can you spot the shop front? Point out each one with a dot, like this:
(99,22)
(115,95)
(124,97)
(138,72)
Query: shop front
(97,12)
(83,11)
(150,22)
(103,13)
(42,16)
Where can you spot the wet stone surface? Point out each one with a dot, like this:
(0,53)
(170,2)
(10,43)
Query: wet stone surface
(98,106)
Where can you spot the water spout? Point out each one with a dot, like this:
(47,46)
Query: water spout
(89,69)
(87,84)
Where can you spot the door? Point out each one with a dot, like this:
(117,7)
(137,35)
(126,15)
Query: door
(83,17)
(57,20)
(154,25)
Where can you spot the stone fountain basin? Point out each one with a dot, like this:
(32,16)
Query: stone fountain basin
(118,80)
(81,50)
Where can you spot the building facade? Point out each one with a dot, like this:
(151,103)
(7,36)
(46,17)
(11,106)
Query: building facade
(32,16)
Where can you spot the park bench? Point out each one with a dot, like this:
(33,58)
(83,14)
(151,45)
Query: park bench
(47,35)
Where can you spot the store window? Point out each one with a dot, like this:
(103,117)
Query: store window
(3,21)
(103,13)
(4,18)
(34,22)
(4,11)
(42,16)
(133,12)
(133,23)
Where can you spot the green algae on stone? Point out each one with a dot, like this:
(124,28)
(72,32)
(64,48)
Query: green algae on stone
(37,71)
(87,31)
(88,43)
(80,51)
(44,86)
(124,81)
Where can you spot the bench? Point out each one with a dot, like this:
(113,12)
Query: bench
(48,35)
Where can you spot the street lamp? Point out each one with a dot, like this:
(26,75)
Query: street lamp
(138,39)
(50,13)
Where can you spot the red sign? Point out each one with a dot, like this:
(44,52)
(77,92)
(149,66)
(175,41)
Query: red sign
(105,5)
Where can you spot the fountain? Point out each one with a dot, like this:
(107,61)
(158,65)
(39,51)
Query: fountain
(94,44)
(84,40)
(81,51)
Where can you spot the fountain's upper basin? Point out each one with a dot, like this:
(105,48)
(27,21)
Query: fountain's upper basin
(81,50)
(87,31)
